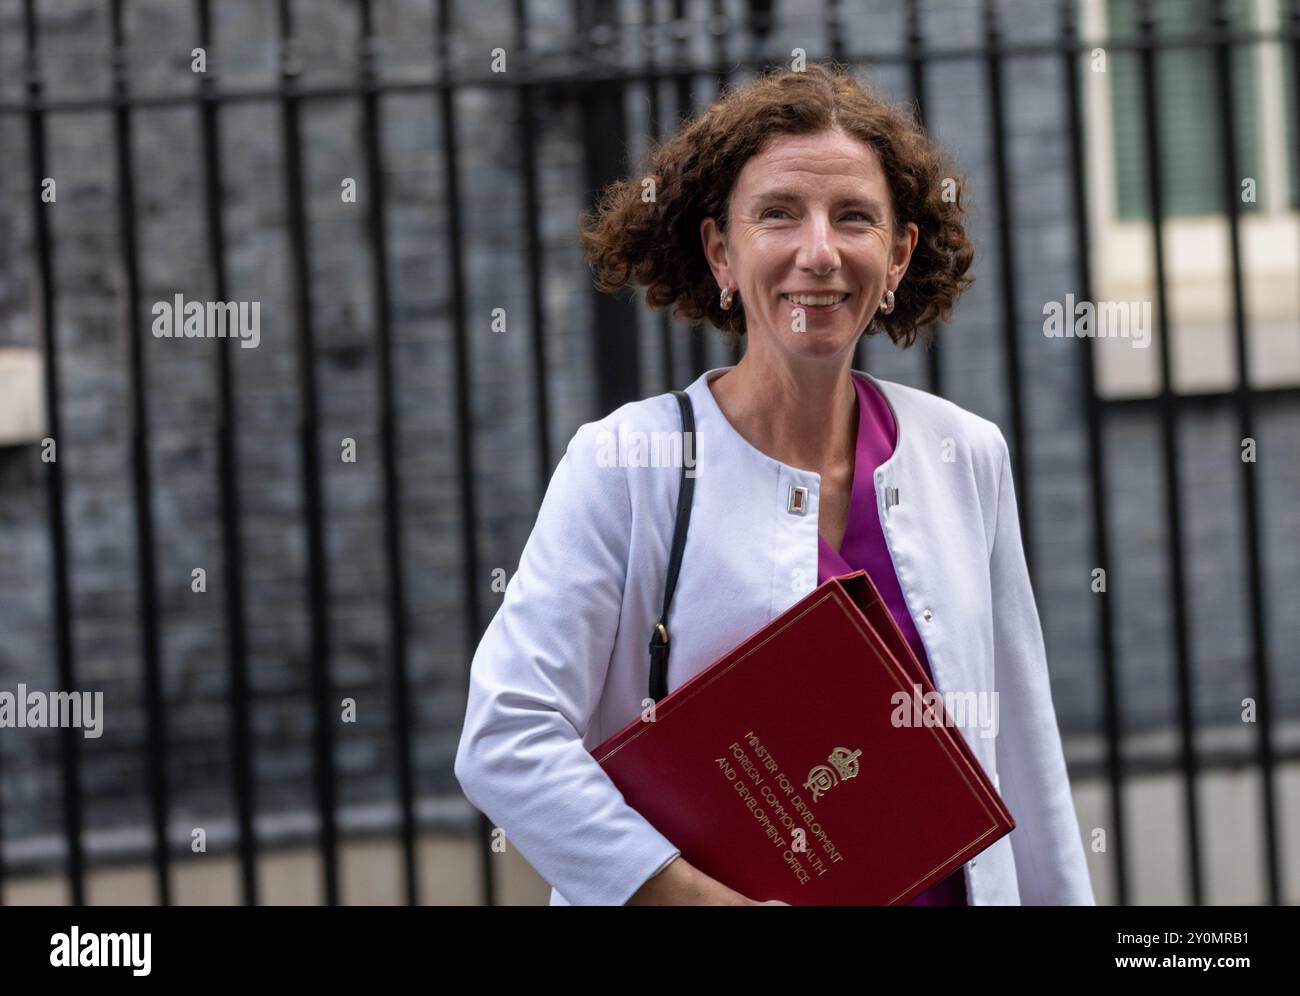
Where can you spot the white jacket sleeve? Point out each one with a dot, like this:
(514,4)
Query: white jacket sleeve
(535,681)
(1051,867)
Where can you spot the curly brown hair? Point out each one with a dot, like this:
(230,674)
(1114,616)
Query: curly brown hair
(655,243)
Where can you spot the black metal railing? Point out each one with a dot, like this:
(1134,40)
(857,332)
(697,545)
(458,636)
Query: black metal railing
(595,79)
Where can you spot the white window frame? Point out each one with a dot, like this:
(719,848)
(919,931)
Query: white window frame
(1197,254)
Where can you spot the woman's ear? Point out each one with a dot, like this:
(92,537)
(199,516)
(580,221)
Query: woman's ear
(715,251)
(904,246)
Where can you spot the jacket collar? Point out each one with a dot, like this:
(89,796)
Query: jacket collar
(708,410)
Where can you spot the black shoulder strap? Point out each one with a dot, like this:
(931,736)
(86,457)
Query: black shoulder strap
(659,639)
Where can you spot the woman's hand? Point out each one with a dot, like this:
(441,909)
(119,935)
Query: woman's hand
(682,884)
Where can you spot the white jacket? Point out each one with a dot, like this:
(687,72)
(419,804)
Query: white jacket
(564,663)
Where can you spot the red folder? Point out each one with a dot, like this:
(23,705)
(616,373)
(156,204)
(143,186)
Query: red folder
(802,727)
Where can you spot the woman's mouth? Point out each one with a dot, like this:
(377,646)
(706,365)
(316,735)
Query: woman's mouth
(816,303)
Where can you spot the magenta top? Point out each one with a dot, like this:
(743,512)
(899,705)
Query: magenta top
(863,548)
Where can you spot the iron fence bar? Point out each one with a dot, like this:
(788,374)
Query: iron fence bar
(527,104)
(604,135)
(834,22)
(1293,32)
(1212,759)
(567,83)
(242,783)
(461,389)
(323,769)
(1072,67)
(862,348)
(142,488)
(46,306)
(685,103)
(1169,453)
(654,124)
(1250,497)
(724,67)
(1007,278)
(916,74)
(397,638)
(1200,400)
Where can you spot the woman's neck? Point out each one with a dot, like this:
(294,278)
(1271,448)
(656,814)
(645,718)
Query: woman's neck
(804,416)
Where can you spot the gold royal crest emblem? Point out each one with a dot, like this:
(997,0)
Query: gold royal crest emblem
(823,777)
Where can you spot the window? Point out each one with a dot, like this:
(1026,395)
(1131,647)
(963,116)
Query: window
(1198,267)
(1186,83)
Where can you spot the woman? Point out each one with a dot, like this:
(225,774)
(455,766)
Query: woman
(800,212)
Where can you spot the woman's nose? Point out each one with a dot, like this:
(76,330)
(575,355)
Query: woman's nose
(817,249)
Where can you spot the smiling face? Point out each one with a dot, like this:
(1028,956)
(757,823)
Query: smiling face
(809,214)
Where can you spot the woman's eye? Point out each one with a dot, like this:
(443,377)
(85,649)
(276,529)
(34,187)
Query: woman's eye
(860,214)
